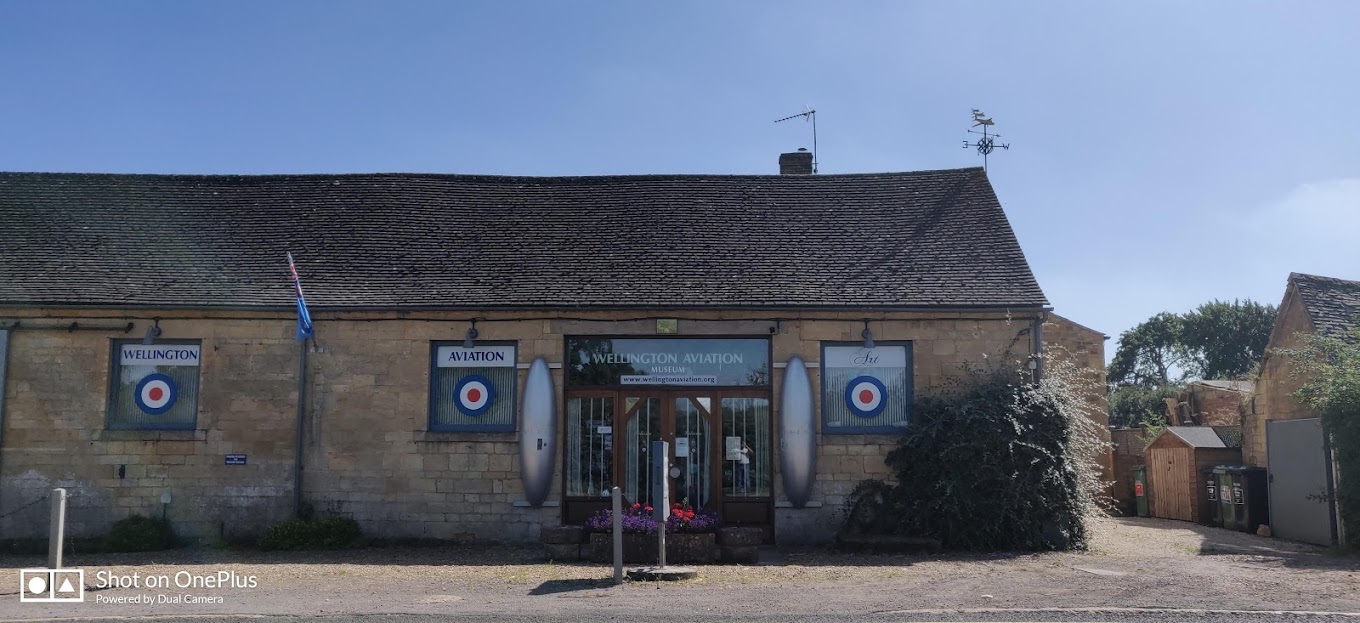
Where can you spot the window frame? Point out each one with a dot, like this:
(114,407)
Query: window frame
(115,375)
(867,430)
(431,426)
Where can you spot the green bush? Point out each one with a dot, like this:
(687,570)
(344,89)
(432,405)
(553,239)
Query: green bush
(328,532)
(998,464)
(139,533)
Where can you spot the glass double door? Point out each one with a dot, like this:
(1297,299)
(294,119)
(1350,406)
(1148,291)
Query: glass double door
(719,453)
(686,421)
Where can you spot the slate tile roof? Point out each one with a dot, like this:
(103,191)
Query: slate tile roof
(376,241)
(1333,304)
(1208,436)
(1229,385)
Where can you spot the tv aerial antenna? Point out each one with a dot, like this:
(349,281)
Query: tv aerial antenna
(808,114)
(987,143)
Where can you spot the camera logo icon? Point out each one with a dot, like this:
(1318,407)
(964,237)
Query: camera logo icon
(51,585)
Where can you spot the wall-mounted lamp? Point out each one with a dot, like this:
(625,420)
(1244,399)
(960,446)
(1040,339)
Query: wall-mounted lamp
(152,332)
(1033,363)
(867,335)
(469,340)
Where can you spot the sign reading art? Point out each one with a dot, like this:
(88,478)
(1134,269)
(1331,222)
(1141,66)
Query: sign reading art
(673,361)
(866,389)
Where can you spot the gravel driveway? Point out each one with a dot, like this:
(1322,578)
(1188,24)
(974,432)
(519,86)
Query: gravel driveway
(1141,563)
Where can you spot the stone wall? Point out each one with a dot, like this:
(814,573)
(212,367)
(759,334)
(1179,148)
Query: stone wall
(1275,387)
(1084,348)
(54,435)
(368,453)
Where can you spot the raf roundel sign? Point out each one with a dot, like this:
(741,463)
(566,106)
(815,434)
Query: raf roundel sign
(156,394)
(474,394)
(866,396)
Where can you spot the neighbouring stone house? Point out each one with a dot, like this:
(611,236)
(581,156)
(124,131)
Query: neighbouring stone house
(491,354)
(1211,403)
(1311,305)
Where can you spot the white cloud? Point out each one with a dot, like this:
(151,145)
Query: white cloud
(1320,220)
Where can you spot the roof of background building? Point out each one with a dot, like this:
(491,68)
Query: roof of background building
(919,239)
(1230,385)
(1333,304)
(1208,436)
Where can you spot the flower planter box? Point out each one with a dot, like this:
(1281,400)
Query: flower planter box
(641,548)
(740,545)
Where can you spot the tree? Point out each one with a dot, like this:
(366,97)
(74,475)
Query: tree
(1217,340)
(1134,405)
(1227,340)
(1150,354)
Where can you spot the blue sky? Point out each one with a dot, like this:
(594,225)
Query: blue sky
(1163,153)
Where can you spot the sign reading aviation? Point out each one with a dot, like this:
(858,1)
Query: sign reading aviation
(476,357)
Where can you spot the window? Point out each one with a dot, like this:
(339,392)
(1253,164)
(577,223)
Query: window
(590,446)
(746,447)
(472,389)
(153,386)
(866,390)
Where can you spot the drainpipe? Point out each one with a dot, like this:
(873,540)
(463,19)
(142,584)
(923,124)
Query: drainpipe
(1037,333)
(4,373)
(301,418)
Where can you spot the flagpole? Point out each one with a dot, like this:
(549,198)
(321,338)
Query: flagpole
(302,397)
(301,420)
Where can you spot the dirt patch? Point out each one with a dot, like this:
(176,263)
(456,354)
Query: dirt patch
(1132,563)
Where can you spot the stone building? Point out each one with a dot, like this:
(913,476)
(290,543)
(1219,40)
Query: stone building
(491,354)
(1311,305)
(1211,403)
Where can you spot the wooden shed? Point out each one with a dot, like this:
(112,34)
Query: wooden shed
(1174,460)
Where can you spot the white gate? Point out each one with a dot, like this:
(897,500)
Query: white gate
(1302,499)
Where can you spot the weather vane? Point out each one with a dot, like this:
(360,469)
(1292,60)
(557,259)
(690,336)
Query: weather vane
(986,144)
(808,114)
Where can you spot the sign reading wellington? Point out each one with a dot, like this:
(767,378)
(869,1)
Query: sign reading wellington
(159,355)
(474,394)
(673,361)
(157,392)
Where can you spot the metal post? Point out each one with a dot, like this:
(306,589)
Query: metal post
(56,532)
(661,496)
(4,359)
(301,416)
(618,535)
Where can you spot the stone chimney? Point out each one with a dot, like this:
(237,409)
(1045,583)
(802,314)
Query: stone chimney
(796,163)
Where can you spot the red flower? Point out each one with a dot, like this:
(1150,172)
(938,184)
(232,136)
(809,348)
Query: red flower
(649,509)
(636,505)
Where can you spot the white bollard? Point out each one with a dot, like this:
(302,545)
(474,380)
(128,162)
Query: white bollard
(618,536)
(57,529)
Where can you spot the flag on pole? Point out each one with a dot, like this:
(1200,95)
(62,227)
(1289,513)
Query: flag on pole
(304,326)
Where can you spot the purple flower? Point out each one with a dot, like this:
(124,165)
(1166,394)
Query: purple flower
(634,522)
